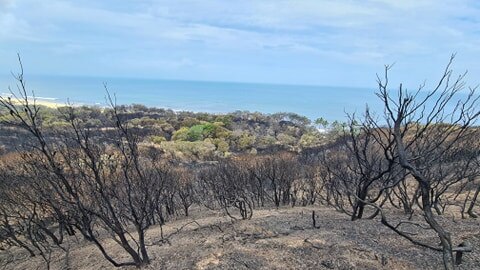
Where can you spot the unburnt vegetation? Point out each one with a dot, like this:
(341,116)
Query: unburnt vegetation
(112,175)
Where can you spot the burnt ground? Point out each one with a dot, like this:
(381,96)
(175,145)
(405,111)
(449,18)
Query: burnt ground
(272,239)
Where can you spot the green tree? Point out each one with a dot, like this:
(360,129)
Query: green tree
(321,122)
(245,141)
(196,133)
(181,134)
(310,139)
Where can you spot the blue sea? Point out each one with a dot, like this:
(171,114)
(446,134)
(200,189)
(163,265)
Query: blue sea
(330,103)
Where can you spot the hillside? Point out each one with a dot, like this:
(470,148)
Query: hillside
(131,186)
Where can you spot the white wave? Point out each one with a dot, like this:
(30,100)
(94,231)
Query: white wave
(30,97)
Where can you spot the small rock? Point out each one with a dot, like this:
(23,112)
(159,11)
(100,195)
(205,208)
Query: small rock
(328,264)
(384,260)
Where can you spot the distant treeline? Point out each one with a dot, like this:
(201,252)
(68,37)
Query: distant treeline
(189,136)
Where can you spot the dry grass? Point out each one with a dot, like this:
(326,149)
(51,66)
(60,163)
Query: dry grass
(273,239)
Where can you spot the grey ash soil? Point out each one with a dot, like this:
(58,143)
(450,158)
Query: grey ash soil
(274,239)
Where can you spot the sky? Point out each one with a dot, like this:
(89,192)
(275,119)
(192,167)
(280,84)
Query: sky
(319,42)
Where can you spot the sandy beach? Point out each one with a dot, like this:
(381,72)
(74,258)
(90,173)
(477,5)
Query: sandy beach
(46,102)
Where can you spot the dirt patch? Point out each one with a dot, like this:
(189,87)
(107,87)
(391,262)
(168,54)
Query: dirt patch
(273,239)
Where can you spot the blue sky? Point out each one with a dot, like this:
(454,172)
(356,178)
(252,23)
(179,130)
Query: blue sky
(338,43)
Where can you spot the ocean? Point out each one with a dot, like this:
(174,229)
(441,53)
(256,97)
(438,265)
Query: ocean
(331,103)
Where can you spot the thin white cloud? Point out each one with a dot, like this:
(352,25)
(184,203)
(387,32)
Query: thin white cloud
(6,4)
(361,33)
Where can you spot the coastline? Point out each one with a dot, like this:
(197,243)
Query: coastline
(52,103)
(210,97)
